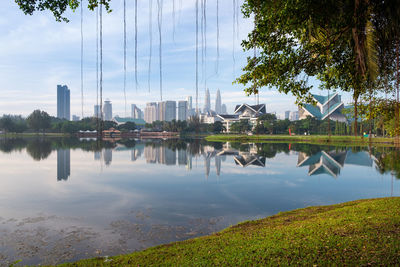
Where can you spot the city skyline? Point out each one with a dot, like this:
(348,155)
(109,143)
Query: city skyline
(56,59)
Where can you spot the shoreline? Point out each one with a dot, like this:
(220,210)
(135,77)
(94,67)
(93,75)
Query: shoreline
(360,232)
(310,139)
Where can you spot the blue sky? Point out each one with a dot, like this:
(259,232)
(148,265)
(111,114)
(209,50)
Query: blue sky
(38,53)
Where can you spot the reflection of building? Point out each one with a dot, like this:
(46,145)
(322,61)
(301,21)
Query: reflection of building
(63,164)
(135,154)
(97,155)
(332,162)
(246,159)
(207,164)
(326,107)
(107,154)
(182,157)
(63,102)
(218,164)
(151,154)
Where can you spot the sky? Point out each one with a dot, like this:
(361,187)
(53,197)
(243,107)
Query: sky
(37,53)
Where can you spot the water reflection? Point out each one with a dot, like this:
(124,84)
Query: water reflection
(319,159)
(131,194)
(63,164)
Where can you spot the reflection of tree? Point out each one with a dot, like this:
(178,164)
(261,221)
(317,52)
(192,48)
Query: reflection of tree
(39,149)
(8,145)
(388,160)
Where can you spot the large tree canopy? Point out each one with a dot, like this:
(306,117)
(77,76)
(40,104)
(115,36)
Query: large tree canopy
(57,7)
(342,43)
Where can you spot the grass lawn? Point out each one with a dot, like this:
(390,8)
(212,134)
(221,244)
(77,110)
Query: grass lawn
(317,139)
(355,233)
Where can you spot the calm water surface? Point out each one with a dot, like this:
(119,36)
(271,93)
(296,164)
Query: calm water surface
(68,199)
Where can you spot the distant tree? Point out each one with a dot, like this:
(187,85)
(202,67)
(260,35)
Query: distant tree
(39,120)
(6,124)
(128,126)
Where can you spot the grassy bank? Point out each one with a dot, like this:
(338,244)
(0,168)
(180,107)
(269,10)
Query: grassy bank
(314,139)
(355,233)
(13,135)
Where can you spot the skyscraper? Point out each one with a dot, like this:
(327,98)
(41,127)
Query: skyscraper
(170,110)
(223,109)
(151,112)
(190,109)
(161,110)
(97,112)
(136,112)
(287,114)
(107,110)
(207,103)
(218,105)
(63,102)
(182,110)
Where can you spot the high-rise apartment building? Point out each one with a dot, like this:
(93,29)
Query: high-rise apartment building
(182,110)
(218,104)
(207,103)
(63,102)
(107,110)
(170,110)
(151,112)
(161,110)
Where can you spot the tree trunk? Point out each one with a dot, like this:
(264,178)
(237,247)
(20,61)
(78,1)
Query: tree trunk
(355,116)
(397,98)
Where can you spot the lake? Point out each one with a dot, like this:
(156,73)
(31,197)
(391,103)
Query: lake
(64,199)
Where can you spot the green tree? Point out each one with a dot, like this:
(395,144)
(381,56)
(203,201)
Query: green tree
(39,120)
(128,126)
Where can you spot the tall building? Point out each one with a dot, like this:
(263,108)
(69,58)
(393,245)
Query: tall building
(170,110)
(182,110)
(107,110)
(294,116)
(287,114)
(218,104)
(136,112)
(161,110)
(189,102)
(63,102)
(207,103)
(151,112)
(223,109)
(97,112)
(63,164)
(75,118)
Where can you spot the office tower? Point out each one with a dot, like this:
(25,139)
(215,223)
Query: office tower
(189,102)
(207,104)
(182,110)
(218,105)
(107,110)
(170,110)
(136,112)
(287,114)
(223,109)
(151,112)
(294,116)
(63,102)
(75,118)
(63,164)
(97,112)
